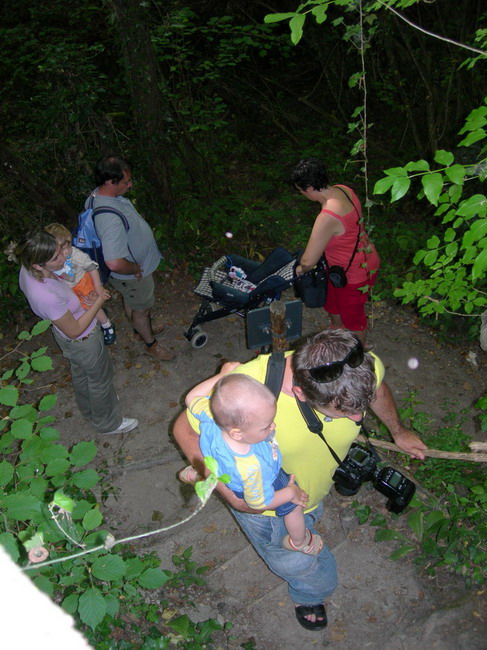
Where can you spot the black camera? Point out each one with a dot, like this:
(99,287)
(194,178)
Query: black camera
(360,466)
(337,276)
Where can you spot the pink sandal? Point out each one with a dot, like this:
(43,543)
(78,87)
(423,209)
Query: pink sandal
(312,546)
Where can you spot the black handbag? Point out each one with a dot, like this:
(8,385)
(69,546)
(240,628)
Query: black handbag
(312,286)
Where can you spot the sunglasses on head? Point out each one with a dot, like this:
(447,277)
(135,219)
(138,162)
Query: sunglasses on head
(328,372)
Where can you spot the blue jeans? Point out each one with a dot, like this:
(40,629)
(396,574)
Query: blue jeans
(310,578)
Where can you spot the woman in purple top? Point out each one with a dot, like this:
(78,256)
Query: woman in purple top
(75,331)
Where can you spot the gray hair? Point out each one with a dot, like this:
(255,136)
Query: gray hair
(234,398)
(353,391)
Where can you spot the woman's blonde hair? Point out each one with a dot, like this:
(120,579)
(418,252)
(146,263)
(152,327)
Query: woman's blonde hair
(37,247)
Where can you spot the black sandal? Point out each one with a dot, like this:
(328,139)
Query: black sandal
(305,610)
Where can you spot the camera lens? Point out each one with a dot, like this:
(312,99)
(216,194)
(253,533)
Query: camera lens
(346,492)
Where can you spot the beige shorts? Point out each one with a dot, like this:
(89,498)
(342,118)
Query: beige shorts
(137,294)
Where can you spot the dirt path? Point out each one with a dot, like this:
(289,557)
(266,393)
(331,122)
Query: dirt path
(379,603)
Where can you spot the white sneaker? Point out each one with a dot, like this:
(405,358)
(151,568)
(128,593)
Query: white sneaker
(127,425)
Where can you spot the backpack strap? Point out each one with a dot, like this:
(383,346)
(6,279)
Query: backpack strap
(103,209)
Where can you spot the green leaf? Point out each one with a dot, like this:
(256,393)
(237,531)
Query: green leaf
(108,567)
(277,18)
(26,411)
(152,579)
(45,585)
(433,518)
(86,479)
(418,166)
(6,472)
(62,501)
(9,396)
(387,534)
(473,206)
(181,625)
(53,452)
(56,467)
(40,327)
(41,364)
(433,242)
(415,521)
(92,607)
(444,157)
(92,519)
(432,185)
(296,25)
(456,174)
(47,402)
(396,171)
(401,551)
(399,188)
(474,136)
(319,12)
(21,429)
(49,434)
(113,604)
(21,506)
(9,543)
(70,604)
(383,185)
(211,464)
(82,453)
(479,265)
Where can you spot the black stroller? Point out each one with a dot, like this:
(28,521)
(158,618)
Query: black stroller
(236,285)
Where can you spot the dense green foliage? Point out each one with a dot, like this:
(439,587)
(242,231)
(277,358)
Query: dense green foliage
(51,504)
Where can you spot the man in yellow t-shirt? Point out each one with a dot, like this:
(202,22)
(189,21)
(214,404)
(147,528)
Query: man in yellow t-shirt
(339,380)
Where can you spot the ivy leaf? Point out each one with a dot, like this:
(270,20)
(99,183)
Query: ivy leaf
(432,185)
(383,185)
(9,543)
(82,453)
(92,520)
(21,429)
(70,604)
(9,396)
(444,157)
(401,551)
(41,364)
(277,18)
(152,578)
(108,567)
(418,166)
(40,327)
(400,187)
(456,174)
(47,402)
(62,501)
(6,472)
(86,479)
(479,265)
(92,607)
(296,25)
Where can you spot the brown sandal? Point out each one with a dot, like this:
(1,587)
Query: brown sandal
(312,546)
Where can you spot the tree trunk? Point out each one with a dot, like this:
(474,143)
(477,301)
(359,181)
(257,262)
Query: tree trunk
(41,194)
(150,112)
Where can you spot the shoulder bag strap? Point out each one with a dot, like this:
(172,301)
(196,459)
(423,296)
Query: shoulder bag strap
(358,226)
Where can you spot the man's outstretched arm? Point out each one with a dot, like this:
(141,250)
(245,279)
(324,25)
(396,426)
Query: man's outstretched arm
(384,407)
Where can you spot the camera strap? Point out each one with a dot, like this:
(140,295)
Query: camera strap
(273,380)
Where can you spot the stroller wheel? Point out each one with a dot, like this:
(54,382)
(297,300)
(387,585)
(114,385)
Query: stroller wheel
(199,338)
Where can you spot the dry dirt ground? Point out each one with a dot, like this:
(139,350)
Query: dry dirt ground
(379,603)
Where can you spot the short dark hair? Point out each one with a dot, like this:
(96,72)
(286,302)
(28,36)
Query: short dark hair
(310,172)
(353,391)
(111,168)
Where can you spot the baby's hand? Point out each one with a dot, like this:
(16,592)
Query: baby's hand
(300,498)
(228,366)
(103,293)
